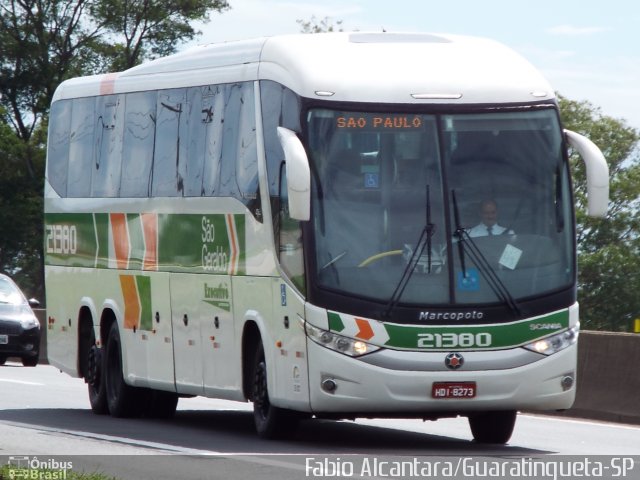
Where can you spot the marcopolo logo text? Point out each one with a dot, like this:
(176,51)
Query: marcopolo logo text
(468,315)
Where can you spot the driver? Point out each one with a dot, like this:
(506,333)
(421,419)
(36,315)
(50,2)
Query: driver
(489,221)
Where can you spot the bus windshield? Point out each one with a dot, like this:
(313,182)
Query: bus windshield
(463,206)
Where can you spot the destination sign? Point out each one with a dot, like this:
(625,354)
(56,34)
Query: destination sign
(373,121)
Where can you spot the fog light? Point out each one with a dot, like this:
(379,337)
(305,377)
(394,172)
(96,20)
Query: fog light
(567,382)
(28,347)
(329,385)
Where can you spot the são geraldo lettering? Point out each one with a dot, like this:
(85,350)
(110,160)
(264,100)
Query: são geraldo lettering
(214,258)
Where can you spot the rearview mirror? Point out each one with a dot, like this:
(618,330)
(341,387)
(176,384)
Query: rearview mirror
(298,174)
(597,173)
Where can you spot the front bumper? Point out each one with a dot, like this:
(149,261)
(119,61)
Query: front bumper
(363,387)
(21,343)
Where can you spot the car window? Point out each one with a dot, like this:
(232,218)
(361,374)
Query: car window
(9,293)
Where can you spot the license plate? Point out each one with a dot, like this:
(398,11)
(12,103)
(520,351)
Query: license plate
(453,390)
(4,339)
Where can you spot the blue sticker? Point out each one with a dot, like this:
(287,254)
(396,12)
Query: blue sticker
(469,282)
(371,180)
(283,295)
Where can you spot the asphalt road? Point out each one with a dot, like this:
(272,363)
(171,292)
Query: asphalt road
(45,414)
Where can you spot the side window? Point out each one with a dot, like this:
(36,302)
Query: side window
(289,238)
(232,95)
(199,114)
(213,119)
(239,160)
(58,148)
(247,153)
(280,108)
(81,147)
(107,168)
(168,180)
(139,137)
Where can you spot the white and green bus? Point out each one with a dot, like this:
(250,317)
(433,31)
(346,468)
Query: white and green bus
(290,221)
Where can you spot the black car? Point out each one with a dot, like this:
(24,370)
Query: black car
(19,327)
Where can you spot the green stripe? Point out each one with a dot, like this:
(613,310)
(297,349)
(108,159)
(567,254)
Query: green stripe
(501,336)
(136,240)
(335,322)
(187,243)
(144,294)
(102,234)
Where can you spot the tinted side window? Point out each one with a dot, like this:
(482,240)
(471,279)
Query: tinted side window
(199,114)
(168,180)
(238,155)
(58,153)
(139,138)
(247,153)
(81,147)
(108,156)
(213,118)
(280,108)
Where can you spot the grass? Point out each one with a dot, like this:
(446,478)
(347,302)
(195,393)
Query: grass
(8,472)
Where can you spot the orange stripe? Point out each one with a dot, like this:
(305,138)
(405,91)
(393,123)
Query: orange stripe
(365,331)
(108,83)
(120,239)
(150,228)
(131,301)
(231,229)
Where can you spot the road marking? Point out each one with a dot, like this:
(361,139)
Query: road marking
(21,382)
(581,421)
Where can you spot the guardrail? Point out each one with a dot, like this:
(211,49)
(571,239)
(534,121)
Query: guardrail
(608,375)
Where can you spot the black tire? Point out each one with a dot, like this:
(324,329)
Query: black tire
(95,378)
(123,400)
(30,361)
(271,422)
(493,427)
(3,359)
(161,404)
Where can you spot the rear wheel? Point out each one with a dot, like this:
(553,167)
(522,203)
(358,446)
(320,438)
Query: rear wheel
(270,421)
(493,427)
(123,400)
(95,378)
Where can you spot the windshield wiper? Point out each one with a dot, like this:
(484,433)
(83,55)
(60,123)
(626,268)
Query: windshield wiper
(459,233)
(424,241)
(466,244)
(558,200)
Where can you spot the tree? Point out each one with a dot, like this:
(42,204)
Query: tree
(608,248)
(20,212)
(42,43)
(150,28)
(314,25)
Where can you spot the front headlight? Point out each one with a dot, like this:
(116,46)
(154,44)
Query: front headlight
(339,343)
(555,343)
(29,322)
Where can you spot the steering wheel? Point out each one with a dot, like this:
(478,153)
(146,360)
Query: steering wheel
(374,258)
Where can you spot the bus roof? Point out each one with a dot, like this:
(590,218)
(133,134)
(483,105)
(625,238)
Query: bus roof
(355,67)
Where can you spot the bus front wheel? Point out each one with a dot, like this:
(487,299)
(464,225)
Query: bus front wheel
(492,427)
(270,421)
